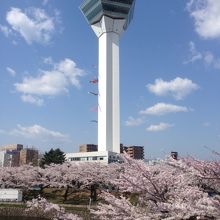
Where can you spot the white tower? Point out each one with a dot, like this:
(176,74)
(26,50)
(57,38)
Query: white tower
(108,19)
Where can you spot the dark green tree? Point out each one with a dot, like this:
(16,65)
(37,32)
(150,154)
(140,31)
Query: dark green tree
(53,156)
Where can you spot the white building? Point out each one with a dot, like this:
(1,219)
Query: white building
(101,156)
(9,158)
(10,195)
(5,159)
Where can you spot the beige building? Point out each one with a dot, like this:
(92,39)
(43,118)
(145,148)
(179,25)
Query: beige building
(88,148)
(10,147)
(10,155)
(29,156)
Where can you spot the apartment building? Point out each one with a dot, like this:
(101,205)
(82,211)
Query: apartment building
(135,152)
(11,147)
(9,158)
(88,148)
(29,156)
(14,155)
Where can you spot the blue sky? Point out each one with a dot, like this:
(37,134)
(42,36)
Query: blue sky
(170,76)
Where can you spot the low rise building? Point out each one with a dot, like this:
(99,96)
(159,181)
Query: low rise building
(100,156)
(10,195)
(90,153)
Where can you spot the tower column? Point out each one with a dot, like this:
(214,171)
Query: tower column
(108,99)
(108,31)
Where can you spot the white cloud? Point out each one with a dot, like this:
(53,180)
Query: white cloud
(159,127)
(206,14)
(206,124)
(48,60)
(37,132)
(11,71)
(195,55)
(33,100)
(14,42)
(37,135)
(163,109)
(45,2)
(2,131)
(5,30)
(132,122)
(34,25)
(178,88)
(207,57)
(217,63)
(50,83)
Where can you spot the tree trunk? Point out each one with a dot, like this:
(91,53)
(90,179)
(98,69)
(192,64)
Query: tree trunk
(66,194)
(93,192)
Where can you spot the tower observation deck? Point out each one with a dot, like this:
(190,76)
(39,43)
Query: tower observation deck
(108,19)
(94,10)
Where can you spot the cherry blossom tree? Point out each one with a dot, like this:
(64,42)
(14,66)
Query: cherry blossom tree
(40,207)
(169,189)
(208,172)
(77,176)
(20,177)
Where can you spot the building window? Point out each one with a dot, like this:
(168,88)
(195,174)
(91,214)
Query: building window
(83,158)
(74,159)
